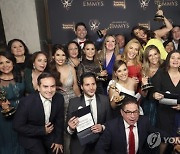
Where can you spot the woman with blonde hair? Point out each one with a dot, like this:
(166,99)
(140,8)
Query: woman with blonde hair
(151,64)
(108,55)
(132,57)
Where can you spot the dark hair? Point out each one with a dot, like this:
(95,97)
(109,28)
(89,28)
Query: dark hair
(79,49)
(150,34)
(129,100)
(44,75)
(168,59)
(117,64)
(80,24)
(34,56)
(86,75)
(16,72)
(53,68)
(26,50)
(167,42)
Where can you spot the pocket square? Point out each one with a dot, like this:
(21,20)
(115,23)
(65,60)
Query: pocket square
(80,107)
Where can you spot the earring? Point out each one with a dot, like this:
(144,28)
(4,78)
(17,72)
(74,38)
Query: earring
(34,66)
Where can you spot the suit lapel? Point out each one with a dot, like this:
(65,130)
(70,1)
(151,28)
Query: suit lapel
(82,101)
(99,109)
(122,134)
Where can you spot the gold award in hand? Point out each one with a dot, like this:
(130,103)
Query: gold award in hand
(157,16)
(10,110)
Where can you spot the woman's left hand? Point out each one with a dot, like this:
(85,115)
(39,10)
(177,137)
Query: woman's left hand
(5,105)
(177,107)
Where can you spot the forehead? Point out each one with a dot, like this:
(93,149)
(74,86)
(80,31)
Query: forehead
(3,58)
(16,43)
(89,46)
(131,107)
(40,55)
(81,27)
(176,54)
(59,51)
(48,81)
(175,29)
(123,66)
(88,80)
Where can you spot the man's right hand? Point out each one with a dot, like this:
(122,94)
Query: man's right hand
(49,127)
(73,122)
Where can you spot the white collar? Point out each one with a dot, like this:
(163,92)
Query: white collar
(43,98)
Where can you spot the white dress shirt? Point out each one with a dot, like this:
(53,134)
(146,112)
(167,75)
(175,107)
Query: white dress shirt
(47,107)
(135,131)
(93,106)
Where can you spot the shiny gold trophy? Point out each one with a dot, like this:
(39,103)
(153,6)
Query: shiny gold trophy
(99,77)
(10,110)
(148,85)
(158,17)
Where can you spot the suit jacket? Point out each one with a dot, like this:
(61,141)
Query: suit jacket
(114,141)
(29,120)
(103,115)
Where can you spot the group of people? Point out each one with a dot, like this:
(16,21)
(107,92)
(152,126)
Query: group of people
(109,76)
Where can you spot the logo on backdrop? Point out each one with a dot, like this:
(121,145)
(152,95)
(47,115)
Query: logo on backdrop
(93,3)
(121,4)
(166,2)
(119,25)
(146,25)
(144,3)
(154,140)
(68,26)
(67,4)
(94,24)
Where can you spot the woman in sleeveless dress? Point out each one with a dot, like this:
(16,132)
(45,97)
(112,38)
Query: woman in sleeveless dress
(67,81)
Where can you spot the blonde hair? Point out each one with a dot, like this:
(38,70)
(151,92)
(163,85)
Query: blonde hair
(146,62)
(102,53)
(137,60)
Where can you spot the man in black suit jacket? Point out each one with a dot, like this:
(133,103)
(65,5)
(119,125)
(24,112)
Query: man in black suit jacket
(39,119)
(101,112)
(115,137)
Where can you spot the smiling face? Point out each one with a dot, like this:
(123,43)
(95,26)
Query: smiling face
(122,73)
(169,47)
(17,49)
(6,65)
(89,86)
(130,113)
(132,51)
(153,57)
(110,43)
(73,50)
(60,57)
(174,61)
(47,87)
(89,51)
(140,34)
(81,32)
(40,62)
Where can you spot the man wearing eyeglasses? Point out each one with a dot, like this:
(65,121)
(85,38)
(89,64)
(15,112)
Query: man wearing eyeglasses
(127,134)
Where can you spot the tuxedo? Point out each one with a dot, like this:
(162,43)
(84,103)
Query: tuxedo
(29,122)
(103,115)
(114,141)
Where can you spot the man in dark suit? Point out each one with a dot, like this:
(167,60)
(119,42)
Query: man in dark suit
(116,137)
(39,119)
(101,112)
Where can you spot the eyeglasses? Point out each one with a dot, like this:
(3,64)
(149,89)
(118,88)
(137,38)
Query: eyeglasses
(129,113)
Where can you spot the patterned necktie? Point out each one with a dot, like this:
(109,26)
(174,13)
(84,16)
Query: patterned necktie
(131,140)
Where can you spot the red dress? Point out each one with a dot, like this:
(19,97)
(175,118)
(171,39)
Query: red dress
(135,71)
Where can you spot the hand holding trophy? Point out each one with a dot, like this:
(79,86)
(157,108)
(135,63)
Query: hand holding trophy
(159,14)
(146,83)
(102,32)
(7,110)
(102,75)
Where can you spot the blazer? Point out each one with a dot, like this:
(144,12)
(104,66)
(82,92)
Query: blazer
(103,114)
(113,140)
(29,120)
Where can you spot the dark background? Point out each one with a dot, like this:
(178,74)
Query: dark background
(121,18)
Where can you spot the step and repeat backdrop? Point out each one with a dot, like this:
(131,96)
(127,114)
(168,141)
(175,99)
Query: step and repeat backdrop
(119,16)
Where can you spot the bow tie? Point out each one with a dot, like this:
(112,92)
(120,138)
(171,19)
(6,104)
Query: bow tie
(81,42)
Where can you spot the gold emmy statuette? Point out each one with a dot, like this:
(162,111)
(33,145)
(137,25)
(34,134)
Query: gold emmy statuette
(99,77)
(9,111)
(158,17)
(119,98)
(147,86)
(99,32)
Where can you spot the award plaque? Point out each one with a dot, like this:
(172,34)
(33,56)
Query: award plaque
(10,110)
(86,121)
